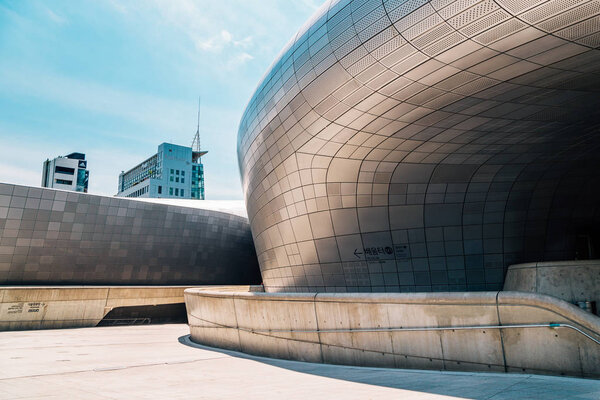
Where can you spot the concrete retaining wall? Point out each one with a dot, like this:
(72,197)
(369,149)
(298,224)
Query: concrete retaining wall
(75,306)
(306,327)
(572,281)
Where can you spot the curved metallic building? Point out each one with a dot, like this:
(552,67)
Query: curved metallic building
(53,237)
(414,145)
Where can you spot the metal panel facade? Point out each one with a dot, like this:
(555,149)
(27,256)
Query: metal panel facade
(55,237)
(414,145)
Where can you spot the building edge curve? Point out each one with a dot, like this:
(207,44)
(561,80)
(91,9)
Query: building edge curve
(425,145)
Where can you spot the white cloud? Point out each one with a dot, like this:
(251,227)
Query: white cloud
(219,28)
(237,61)
(58,19)
(226,36)
(244,43)
(223,41)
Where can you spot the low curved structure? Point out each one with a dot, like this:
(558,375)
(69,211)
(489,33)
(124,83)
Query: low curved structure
(572,281)
(485,331)
(47,307)
(53,237)
(415,145)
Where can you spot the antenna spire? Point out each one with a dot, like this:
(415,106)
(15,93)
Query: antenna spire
(196,141)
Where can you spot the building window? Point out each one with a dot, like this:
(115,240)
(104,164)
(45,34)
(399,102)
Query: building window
(181,192)
(171,178)
(171,170)
(177,172)
(64,170)
(160,190)
(176,192)
(182,180)
(64,182)
(171,191)
(177,179)
(182,173)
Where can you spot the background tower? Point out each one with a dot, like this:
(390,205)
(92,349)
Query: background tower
(197,167)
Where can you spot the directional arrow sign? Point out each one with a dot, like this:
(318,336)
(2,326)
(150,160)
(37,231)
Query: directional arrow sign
(357,253)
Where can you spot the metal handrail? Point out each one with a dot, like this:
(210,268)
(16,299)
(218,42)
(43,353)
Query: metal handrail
(420,329)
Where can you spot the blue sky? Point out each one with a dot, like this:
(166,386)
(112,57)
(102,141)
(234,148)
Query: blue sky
(114,79)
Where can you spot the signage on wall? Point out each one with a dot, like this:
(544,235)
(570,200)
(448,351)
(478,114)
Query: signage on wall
(374,253)
(20,308)
(401,251)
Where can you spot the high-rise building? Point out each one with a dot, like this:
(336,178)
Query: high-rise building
(173,172)
(67,173)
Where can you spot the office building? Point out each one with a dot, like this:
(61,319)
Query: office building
(67,173)
(173,172)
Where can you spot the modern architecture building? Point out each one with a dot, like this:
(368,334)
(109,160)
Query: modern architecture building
(173,172)
(394,146)
(68,173)
(54,237)
(425,145)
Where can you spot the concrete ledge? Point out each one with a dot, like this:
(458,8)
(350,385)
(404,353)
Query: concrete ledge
(39,307)
(573,281)
(480,331)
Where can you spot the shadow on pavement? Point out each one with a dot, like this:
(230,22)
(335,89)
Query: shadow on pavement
(464,385)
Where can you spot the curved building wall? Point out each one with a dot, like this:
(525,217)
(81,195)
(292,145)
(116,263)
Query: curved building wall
(55,237)
(414,145)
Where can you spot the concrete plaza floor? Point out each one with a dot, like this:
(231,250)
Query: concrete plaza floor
(159,362)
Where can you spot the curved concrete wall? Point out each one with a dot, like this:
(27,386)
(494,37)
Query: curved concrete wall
(573,281)
(23,308)
(425,145)
(306,327)
(55,237)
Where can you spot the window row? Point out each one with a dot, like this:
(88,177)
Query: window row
(64,170)
(139,192)
(177,172)
(176,192)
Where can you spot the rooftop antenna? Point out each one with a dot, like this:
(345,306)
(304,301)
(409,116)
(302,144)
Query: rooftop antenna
(196,141)
(197,152)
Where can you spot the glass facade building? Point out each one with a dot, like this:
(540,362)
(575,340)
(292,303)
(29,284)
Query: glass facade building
(173,172)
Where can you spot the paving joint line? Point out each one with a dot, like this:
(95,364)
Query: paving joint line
(117,368)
